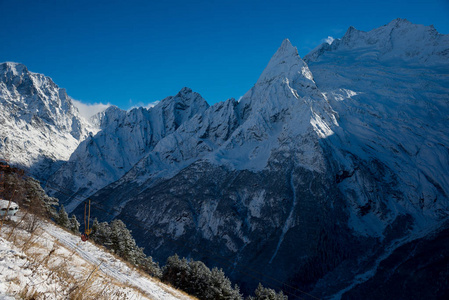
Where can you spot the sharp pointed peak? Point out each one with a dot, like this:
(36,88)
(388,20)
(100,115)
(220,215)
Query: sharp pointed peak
(286,48)
(112,108)
(185,90)
(351,30)
(286,43)
(285,52)
(281,63)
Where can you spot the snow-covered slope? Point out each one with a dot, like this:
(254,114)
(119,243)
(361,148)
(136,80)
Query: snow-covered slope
(38,123)
(52,263)
(393,111)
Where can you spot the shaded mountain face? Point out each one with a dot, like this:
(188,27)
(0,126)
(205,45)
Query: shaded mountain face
(39,124)
(316,179)
(416,270)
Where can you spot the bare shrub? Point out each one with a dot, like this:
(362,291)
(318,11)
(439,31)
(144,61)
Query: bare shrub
(31,223)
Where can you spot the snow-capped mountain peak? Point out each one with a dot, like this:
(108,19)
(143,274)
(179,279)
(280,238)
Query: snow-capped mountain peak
(285,80)
(399,39)
(13,68)
(40,124)
(185,90)
(286,88)
(104,118)
(185,97)
(285,64)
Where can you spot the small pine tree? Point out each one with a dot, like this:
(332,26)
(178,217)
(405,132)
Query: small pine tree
(123,242)
(221,287)
(176,272)
(101,233)
(199,279)
(150,266)
(42,204)
(95,225)
(74,224)
(262,293)
(63,218)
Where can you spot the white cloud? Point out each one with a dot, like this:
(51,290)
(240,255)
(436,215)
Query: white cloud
(141,104)
(88,110)
(152,104)
(328,40)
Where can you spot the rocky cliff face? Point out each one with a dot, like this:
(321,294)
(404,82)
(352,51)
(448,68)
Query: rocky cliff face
(39,124)
(125,138)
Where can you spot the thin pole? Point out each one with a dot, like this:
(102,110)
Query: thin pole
(85,226)
(88,220)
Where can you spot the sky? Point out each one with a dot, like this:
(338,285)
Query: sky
(132,53)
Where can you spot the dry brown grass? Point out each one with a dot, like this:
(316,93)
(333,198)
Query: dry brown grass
(28,293)
(26,235)
(62,276)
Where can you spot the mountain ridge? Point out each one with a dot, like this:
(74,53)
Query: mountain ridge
(125,138)
(400,39)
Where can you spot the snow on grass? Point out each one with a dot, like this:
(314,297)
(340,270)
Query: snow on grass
(51,263)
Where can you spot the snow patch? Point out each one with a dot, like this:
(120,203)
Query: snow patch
(61,250)
(328,40)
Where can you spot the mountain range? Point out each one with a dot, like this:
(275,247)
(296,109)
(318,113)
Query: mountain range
(328,178)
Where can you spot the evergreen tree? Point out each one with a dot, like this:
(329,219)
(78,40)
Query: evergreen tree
(199,279)
(28,193)
(149,266)
(196,278)
(221,287)
(123,243)
(118,238)
(176,272)
(262,293)
(101,233)
(62,218)
(42,204)
(95,225)
(74,224)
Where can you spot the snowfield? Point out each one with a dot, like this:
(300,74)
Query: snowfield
(51,263)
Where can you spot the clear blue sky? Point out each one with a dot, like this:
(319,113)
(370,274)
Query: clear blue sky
(134,52)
